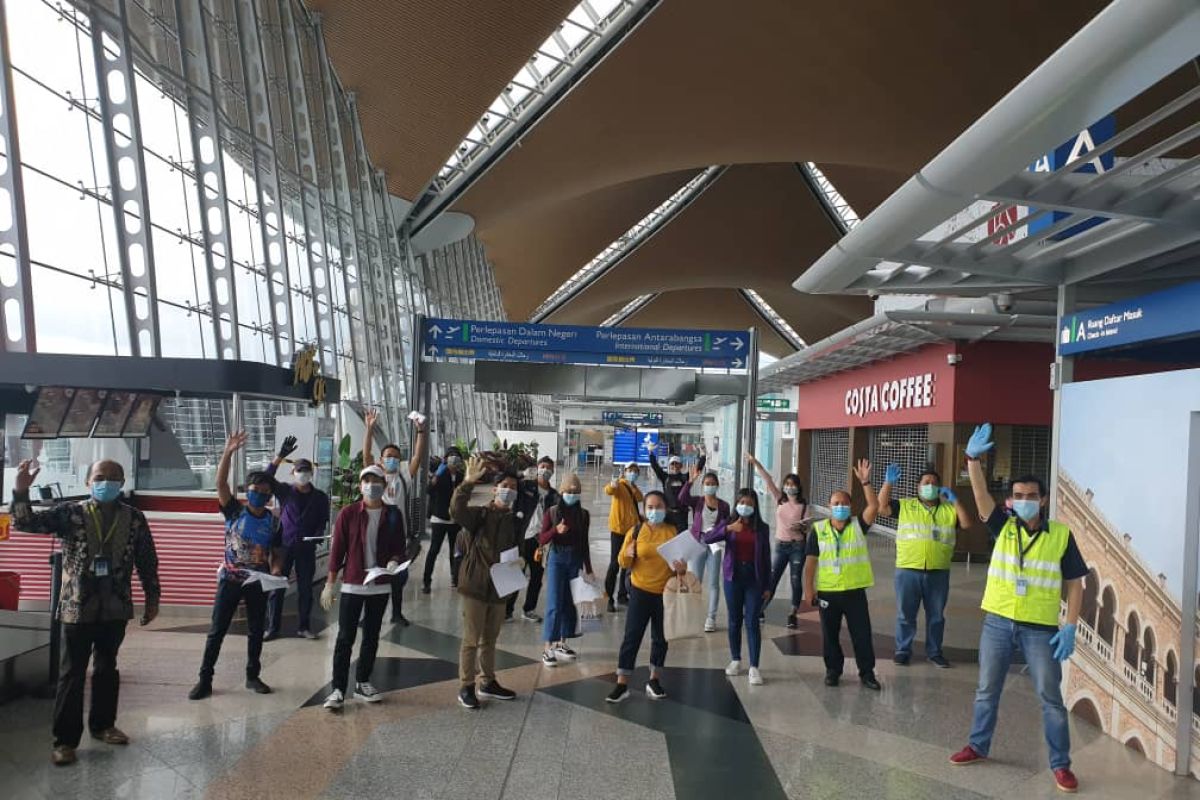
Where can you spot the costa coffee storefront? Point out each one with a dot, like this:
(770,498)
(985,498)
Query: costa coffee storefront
(918,408)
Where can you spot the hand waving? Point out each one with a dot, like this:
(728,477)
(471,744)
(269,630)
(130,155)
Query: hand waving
(862,470)
(980,441)
(25,476)
(475,470)
(287,447)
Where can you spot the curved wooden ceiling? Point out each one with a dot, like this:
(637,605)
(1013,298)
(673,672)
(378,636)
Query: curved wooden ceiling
(724,309)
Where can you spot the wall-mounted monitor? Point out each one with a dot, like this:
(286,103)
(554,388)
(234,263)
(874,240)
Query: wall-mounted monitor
(84,410)
(116,410)
(48,413)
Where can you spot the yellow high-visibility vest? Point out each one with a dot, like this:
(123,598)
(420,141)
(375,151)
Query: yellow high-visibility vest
(1027,587)
(844,563)
(925,536)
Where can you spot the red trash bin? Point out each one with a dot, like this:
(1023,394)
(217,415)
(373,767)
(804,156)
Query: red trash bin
(10,590)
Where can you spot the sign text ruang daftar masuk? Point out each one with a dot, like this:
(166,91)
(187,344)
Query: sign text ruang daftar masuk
(915,391)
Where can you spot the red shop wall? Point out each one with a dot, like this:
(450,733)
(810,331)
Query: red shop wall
(1006,383)
(822,403)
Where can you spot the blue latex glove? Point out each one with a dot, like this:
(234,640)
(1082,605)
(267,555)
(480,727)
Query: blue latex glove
(980,441)
(441,470)
(948,494)
(892,475)
(1064,642)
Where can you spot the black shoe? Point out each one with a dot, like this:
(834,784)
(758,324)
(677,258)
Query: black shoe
(467,698)
(270,636)
(201,690)
(791,620)
(870,682)
(901,658)
(496,692)
(619,693)
(622,599)
(832,680)
(940,662)
(612,607)
(426,589)
(401,620)
(654,690)
(257,686)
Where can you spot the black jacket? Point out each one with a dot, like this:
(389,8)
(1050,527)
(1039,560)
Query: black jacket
(672,485)
(527,504)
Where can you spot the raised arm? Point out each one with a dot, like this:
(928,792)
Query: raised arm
(979,443)
(659,472)
(460,509)
(862,471)
(420,449)
(890,478)
(766,476)
(285,449)
(55,520)
(235,442)
(371,417)
(686,498)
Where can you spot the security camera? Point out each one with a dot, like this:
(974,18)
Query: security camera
(1004,302)
(953,359)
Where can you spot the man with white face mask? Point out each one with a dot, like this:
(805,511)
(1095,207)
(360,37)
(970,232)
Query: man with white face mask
(304,512)
(535,496)
(487,532)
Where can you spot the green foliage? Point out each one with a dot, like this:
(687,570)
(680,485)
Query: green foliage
(345,475)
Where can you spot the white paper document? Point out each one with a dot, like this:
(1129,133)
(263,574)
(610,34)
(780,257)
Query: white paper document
(717,547)
(375,573)
(683,547)
(511,554)
(508,577)
(269,582)
(583,591)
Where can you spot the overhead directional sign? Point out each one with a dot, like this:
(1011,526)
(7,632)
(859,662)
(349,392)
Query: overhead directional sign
(1161,315)
(577,344)
(647,419)
(774,403)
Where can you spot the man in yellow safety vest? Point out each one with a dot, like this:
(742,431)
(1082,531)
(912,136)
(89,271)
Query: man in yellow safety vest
(1033,558)
(925,536)
(837,574)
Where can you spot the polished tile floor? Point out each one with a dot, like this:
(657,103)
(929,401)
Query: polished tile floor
(714,737)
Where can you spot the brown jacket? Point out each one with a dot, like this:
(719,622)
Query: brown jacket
(486,532)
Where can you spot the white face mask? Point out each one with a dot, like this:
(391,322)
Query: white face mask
(302,478)
(545,474)
(505,496)
(371,491)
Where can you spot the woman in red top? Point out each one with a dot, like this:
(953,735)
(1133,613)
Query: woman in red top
(747,573)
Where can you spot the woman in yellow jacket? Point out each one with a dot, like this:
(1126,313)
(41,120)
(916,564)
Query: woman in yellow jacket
(648,576)
(622,516)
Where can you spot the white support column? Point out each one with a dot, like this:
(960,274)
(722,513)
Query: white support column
(17,328)
(1063,372)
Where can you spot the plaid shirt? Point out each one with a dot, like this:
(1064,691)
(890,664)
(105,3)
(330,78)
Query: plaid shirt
(82,598)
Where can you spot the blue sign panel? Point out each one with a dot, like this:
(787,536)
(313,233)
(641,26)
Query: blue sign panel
(559,357)
(649,419)
(572,339)
(1161,315)
(633,446)
(1069,152)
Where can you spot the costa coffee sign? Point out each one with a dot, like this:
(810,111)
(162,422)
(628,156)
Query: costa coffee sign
(912,391)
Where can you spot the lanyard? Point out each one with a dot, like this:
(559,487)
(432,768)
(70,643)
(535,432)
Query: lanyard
(837,539)
(1021,551)
(111,529)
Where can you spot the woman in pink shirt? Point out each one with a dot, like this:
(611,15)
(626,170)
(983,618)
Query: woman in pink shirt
(791,529)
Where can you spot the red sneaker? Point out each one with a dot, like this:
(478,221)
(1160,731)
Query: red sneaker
(968,755)
(1066,780)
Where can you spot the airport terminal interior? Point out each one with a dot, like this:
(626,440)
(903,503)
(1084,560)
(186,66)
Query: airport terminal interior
(879,314)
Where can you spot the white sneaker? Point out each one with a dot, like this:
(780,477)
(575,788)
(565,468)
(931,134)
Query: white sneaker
(367,693)
(562,651)
(755,677)
(528,616)
(710,625)
(734,668)
(335,700)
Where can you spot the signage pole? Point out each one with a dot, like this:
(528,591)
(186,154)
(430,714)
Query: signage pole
(420,402)
(751,400)
(1062,374)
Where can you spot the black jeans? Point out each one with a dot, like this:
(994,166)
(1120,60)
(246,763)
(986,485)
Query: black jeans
(229,595)
(352,607)
(615,572)
(853,606)
(645,608)
(398,584)
(80,641)
(536,572)
(441,532)
(788,554)
(302,556)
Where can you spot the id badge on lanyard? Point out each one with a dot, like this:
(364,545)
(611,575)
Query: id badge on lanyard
(1022,582)
(1022,587)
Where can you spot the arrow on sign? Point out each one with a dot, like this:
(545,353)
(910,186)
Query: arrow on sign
(737,363)
(433,351)
(435,331)
(737,344)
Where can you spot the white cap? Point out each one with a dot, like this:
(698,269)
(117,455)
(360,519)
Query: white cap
(674,460)
(374,469)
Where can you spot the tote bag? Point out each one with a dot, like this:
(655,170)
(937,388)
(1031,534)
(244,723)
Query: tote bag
(684,609)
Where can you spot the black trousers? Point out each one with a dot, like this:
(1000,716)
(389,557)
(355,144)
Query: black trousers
(645,608)
(98,641)
(853,606)
(398,584)
(615,572)
(229,595)
(352,609)
(441,532)
(302,556)
(536,572)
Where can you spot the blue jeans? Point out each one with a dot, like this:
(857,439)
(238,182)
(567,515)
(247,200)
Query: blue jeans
(788,554)
(914,587)
(744,597)
(562,566)
(997,642)
(709,564)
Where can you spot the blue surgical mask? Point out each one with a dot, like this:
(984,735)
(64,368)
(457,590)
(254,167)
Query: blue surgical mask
(655,515)
(506,496)
(745,510)
(106,491)
(258,499)
(570,499)
(1027,509)
(710,490)
(840,513)
(391,464)
(371,490)
(631,475)
(791,491)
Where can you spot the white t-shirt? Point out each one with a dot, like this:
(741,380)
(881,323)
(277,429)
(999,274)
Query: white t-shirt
(396,492)
(709,519)
(535,519)
(374,517)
